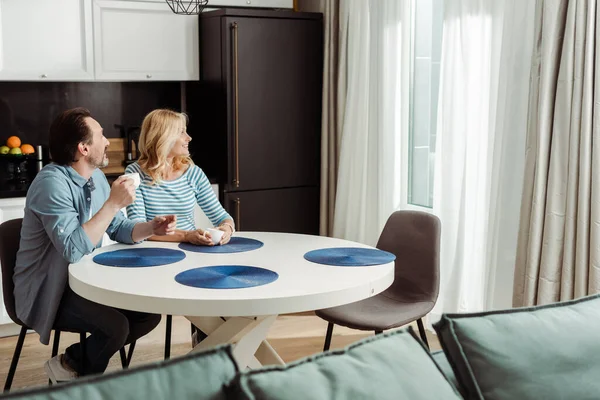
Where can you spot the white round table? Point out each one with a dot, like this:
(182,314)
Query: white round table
(301,286)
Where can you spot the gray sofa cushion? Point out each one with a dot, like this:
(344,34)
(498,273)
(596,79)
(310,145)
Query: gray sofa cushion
(546,352)
(393,365)
(200,376)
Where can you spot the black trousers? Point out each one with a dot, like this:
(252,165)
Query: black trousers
(110,329)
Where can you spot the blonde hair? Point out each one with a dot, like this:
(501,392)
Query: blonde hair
(159,132)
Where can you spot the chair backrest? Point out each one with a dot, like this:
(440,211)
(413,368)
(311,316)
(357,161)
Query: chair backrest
(414,237)
(10,236)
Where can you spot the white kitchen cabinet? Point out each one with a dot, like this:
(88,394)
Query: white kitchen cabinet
(9,209)
(12,208)
(252,3)
(240,3)
(46,40)
(144,41)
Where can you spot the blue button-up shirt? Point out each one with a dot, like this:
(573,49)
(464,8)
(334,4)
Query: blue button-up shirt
(59,201)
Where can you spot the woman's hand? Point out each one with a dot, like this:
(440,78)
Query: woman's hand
(227,235)
(199,238)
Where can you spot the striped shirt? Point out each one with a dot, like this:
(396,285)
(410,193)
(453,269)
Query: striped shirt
(177,197)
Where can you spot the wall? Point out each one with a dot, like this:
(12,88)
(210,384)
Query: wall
(28,108)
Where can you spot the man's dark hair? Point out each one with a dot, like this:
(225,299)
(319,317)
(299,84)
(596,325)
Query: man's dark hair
(66,132)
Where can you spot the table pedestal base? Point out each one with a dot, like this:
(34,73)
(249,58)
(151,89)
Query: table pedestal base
(247,334)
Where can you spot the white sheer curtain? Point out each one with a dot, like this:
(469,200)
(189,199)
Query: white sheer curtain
(482,120)
(377,35)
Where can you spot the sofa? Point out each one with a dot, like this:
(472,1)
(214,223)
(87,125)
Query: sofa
(545,352)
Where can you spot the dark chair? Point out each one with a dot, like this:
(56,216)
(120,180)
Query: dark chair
(199,336)
(414,237)
(10,236)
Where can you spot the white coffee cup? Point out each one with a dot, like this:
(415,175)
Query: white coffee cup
(215,234)
(136,178)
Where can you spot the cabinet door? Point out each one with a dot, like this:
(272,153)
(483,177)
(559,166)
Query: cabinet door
(144,41)
(294,210)
(46,40)
(9,209)
(274,73)
(243,3)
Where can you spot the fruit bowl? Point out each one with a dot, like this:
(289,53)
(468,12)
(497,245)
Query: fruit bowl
(16,157)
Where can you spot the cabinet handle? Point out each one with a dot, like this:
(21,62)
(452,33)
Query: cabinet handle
(238,213)
(236,149)
(148,76)
(43,76)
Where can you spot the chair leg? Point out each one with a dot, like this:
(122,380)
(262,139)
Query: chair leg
(328,336)
(422,332)
(82,341)
(15,359)
(55,345)
(168,337)
(378,332)
(123,356)
(130,352)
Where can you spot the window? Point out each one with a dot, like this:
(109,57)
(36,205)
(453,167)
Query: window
(425,76)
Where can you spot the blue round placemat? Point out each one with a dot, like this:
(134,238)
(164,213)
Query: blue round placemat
(235,245)
(142,257)
(349,256)
(226,277)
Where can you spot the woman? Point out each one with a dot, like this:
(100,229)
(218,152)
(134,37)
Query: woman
(171,182)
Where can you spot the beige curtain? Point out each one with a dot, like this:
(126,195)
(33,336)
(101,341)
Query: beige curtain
(334,95)
(558,253)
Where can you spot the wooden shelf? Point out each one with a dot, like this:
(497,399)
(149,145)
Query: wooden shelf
(116,156)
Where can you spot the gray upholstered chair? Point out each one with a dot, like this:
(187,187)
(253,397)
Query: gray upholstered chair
(414,237)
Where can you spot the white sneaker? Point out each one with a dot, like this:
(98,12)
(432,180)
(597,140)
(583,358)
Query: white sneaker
(57,372)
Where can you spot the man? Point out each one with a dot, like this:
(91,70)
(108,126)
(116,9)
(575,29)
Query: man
(68,209)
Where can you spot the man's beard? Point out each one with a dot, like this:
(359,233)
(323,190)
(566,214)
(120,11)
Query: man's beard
(100,162)
(104,162)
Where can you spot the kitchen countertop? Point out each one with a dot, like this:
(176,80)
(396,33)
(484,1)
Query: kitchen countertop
(11,189)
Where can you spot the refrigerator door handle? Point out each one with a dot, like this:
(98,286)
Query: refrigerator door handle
(236,179)
(238,219)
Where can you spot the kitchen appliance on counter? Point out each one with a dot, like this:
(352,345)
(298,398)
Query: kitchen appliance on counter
(131,136)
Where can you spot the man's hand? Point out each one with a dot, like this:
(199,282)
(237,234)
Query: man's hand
(122,193)
(198,238)
(164,225)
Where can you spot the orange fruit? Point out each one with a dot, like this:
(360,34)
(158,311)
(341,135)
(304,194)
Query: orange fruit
(27,149)
(13,142)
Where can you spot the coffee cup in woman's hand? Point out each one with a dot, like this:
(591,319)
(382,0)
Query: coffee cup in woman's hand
(198,238)
(214,234)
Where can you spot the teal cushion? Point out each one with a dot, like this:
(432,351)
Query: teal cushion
(200,376)
(546,352)
(393,365)
(442,362)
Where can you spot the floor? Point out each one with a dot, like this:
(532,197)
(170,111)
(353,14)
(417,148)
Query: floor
(292,336)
